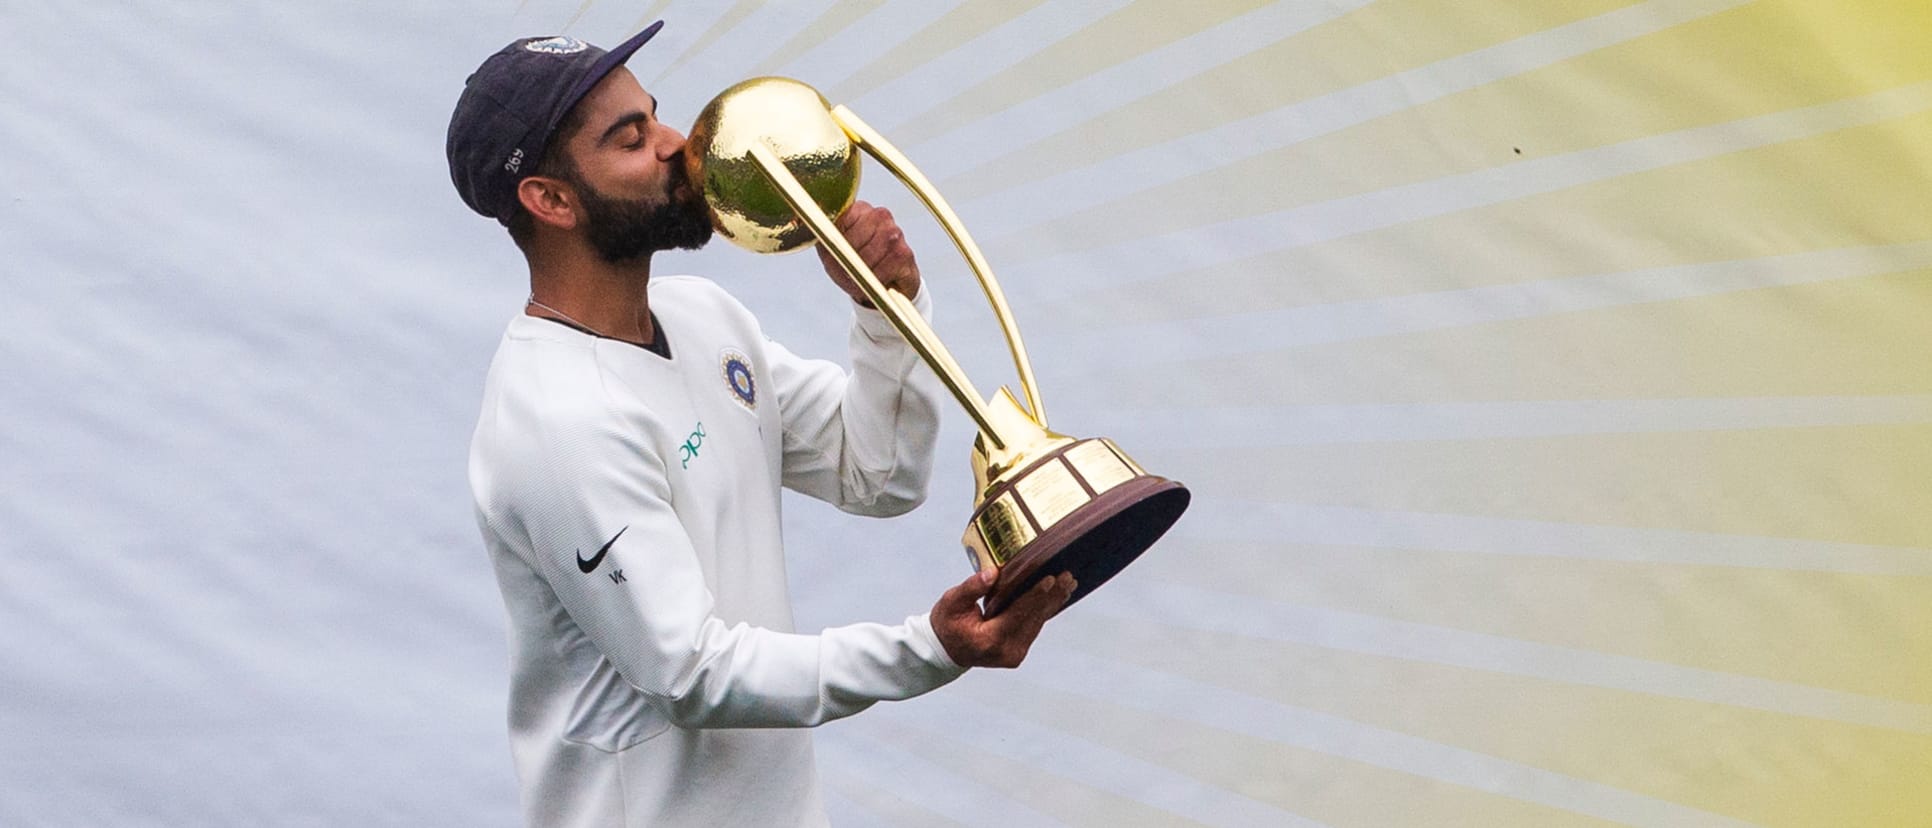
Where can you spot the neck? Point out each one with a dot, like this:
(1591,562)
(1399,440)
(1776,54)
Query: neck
(611,300)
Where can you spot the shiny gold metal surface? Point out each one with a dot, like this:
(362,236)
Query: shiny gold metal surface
(775,176)
(745,206)
(1051,492)
(1000,529)
(1100,465)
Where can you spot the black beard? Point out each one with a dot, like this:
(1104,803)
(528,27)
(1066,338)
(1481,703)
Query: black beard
(621,230)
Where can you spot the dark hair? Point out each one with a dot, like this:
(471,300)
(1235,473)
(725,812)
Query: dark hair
(556,163)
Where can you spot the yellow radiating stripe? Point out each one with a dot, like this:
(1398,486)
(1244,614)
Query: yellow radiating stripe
(1853,187)
(876,796)
(1831,630)
(651,15)
(731,17)
(965,22)
(1379,40)
(578,14)
(1727,67)
(1861,484)
(1116,38)
(1849,337)
(1767,768)
(833,20)
(1036,787)
(1329,789)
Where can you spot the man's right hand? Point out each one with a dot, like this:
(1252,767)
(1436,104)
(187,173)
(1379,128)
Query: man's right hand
(973,640)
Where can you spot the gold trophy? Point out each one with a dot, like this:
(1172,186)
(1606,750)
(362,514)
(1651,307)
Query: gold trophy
(776,162)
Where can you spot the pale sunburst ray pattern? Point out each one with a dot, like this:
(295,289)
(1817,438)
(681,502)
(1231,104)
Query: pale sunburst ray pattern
(1323,722)
(1855,277)
(1550,378)
(1668,165)
(1128,93)
(961,24)
(1513,120)
(1177,128)
(859,43)
(1628,756)
(942,76)
(1072,779)
(727,20)
(1656,349)
(830,22)
(1256,606)
(1650,222)
(1255,426)
(1142,31)
(905,784)
(1830,483)
(1270,753)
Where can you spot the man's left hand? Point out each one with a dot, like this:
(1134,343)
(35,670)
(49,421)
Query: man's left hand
(881,245)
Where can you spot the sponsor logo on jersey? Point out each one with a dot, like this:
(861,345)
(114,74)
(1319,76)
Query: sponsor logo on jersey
(689,451)
(589,566)
(738,378)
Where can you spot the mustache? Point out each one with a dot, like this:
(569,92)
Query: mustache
(680,171)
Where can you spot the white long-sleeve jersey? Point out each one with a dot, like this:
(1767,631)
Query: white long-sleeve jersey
(630,505)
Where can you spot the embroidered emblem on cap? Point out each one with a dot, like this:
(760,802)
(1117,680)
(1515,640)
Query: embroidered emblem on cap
(737,377)
(559,45)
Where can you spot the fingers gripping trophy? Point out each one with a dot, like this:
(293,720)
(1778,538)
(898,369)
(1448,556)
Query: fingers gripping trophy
(778,164)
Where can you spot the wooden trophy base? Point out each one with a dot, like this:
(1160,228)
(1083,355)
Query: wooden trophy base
(1101,515)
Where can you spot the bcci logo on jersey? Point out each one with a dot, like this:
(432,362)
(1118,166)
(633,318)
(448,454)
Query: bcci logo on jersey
(738,378)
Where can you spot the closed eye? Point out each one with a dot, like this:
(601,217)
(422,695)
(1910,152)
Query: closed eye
(631,127)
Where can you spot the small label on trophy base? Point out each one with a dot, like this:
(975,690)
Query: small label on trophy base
(1050,492)
(1099,465)
(1003,528)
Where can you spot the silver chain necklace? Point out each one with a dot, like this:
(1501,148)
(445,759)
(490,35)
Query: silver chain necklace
(574,321)
(567,317)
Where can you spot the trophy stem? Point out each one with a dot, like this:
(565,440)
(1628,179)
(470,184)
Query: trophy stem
(876,145)
(896,307)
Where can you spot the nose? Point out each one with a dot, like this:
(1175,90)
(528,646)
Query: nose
(671,143)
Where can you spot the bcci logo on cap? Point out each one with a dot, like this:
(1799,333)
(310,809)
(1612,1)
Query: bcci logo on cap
(559,45)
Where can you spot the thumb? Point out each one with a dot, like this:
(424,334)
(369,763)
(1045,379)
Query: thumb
(977,585)
(962,601)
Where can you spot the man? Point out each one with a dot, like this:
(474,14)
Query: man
(626,465)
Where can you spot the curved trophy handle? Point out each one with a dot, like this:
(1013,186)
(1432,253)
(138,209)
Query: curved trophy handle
(876,146)
(999,427)
(896,307)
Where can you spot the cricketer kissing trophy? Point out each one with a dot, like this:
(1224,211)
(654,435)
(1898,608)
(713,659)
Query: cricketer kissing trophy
(776,162)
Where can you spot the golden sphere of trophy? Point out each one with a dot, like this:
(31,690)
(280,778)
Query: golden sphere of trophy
(777,164)
(746,207)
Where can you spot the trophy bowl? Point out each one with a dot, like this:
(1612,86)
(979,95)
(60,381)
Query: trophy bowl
(746,207)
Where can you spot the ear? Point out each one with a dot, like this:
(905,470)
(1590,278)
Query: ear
(550,201)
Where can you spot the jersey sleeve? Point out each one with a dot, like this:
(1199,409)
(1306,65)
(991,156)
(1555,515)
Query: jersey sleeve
(633,585)
(863,440)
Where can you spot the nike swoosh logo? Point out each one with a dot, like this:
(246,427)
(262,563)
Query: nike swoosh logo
(590,566)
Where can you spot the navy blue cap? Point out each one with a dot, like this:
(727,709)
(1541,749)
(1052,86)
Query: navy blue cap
(510,106)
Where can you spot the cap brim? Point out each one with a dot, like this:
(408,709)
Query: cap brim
(611,60)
